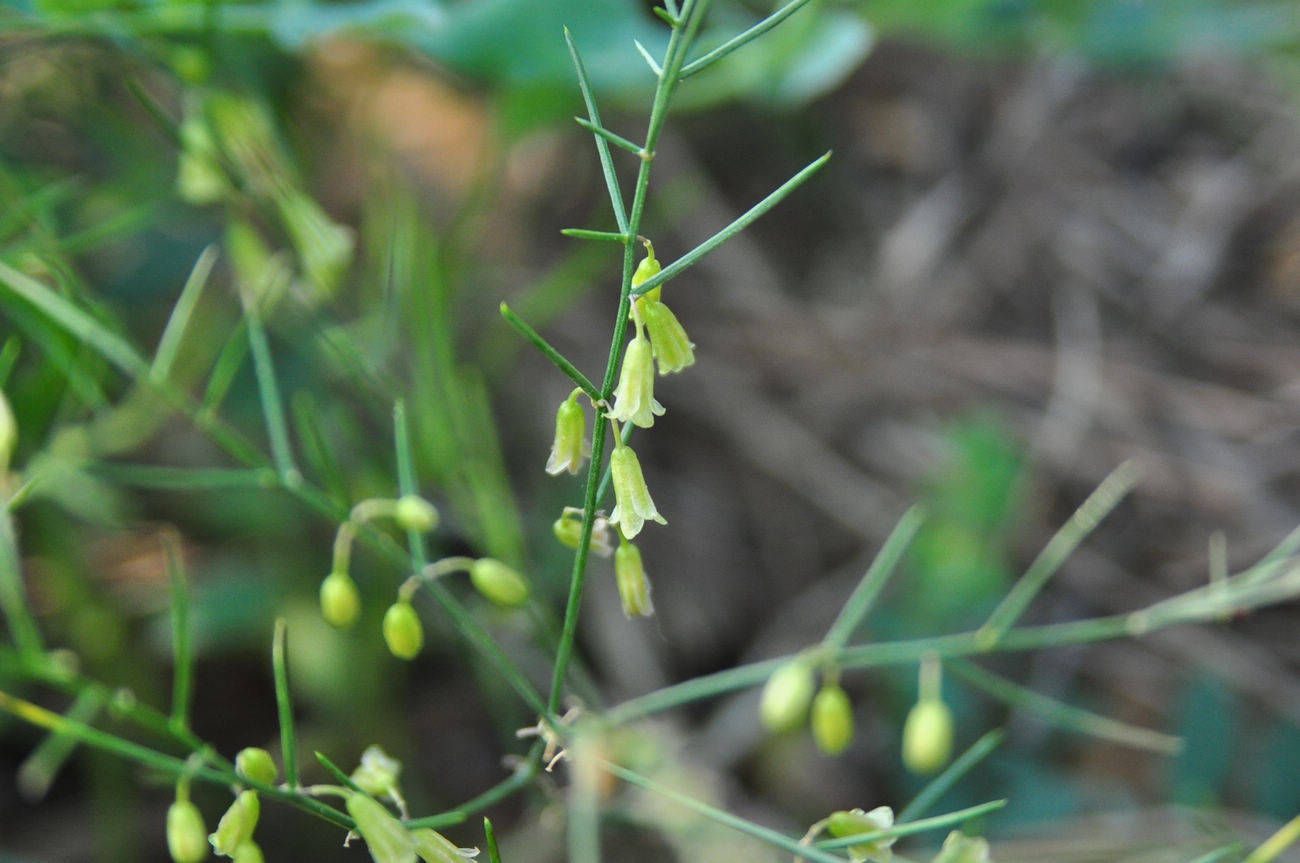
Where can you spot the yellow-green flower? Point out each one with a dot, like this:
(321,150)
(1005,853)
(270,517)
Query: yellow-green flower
(634,397)
(498,582)
(832,720)
(186,835)
(927,736)
(854,821)
(402,630)
(633,505)
(633,586)
(569,449)
(386,838)
(786,696)
(671,346)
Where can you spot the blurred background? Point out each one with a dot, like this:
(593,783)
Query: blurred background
(1054,236)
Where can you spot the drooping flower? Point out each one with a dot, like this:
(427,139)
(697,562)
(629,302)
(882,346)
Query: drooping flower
(832,720)
(378,771)
(402,630)
(671,346)
(568,530)
(432,847)
(633,586)
(340,602)
(186,835)
(386,838)
(634,397)
(236,825)
(854,821)
(498,582)
(927,736)
(570,447)
(786,696)
(633,503)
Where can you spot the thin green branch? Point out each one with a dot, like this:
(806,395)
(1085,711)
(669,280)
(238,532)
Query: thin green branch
(868,589)
(616,140)
(1063,715)
(166,477)
(921,826)
(490,839)
(558,359)
(650,61)
(1085,519)
(734,228)
(170,342)
(38,770)
(182,642)
(939,785)
(700,64)
(586,234)
(277,427)
(602,146)
(339,776)
(19,619)
(284,704)
(772,837)
(503,789)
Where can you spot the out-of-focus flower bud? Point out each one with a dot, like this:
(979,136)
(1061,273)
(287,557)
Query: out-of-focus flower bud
(786,696)
(832,720)
(402,630)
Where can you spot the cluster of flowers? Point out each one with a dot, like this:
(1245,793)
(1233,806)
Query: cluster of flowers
(188,838)
(658,340)
(788,699)
(341,601)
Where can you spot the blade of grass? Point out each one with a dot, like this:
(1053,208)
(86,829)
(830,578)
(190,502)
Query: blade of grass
(864,595)
(37,772)
(585,234)
(602,146)
(739,41)
(311,440)
(616,140)
(225,369)
(1085,519)
(182,642)
(749,217)
(1062,715)
(772,837)
(921,826)
(18,615)
(183,478)
(490,840)
(8,358)
(277,428)
(170,342)
(939,785)
(283,703)
(558,359)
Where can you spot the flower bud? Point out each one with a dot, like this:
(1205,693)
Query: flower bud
(8,433)
(633,503)
(927,736)
(237,825)
(832,720)
(432,847)
(413,512)
(402,630)
(959,848)
(570,446)
(186,835)
(377,773)
(647,269)
(633,586)
(854,821)
(786,696)
(248,852)
(568,530)
(340,603)
(671,346)
(634,397)
(386,838)
(256,765)
(498,582)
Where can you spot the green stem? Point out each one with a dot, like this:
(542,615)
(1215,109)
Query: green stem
(277,428)
(560,361)
(868,589)
(182,643)
(283,703)
(940,784)
(921,826)
(739,41)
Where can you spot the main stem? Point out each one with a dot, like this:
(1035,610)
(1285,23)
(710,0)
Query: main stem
(678,44)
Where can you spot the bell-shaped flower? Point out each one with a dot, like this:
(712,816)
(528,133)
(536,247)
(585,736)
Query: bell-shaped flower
(671,346)
(633,586)
(570,447)
(386,838)
(236,825)
(378,771)
(568,530)
(432,847)
(853,822)
(633,505)
(634,397)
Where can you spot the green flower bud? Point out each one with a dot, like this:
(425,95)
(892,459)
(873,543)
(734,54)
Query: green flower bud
(340,603)
(568,530)
(256,765)
(569,449)
(672,347)
(8,433)
(402,630)
(832,720)
(786,696)
(248,852)
(927,736)
(237,825)
(633,586)
(413,512)
(387,839)
(855,821)
(432,847)
(186,835)
(498,582)
(378,771)
(647,269)
(633,505)
(959,848)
